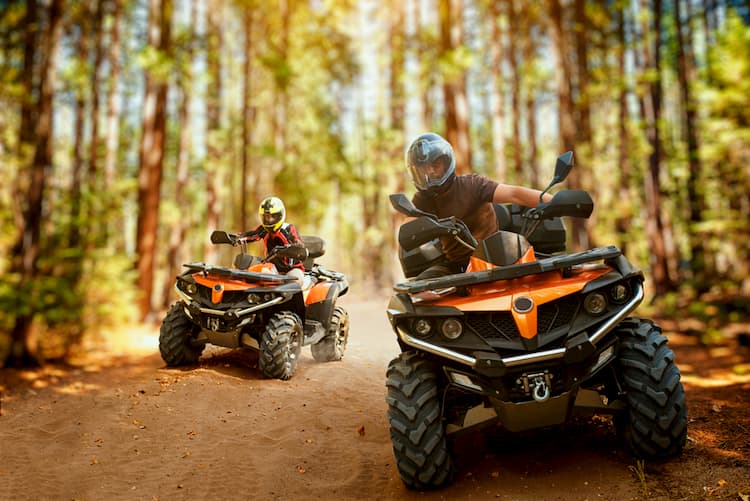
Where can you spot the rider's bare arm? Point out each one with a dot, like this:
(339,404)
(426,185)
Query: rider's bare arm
(510,194)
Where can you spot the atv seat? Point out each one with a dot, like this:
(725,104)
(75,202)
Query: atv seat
(316,247)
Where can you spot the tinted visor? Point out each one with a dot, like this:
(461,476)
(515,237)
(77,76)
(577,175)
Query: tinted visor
(268,219)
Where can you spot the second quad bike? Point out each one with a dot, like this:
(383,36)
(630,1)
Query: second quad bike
(526,338)
(251,305)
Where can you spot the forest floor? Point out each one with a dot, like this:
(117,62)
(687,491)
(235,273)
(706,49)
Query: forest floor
(120,425)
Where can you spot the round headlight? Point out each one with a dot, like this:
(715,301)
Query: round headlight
(253,298)
(595,303)
(619,293)
(191,288)
(451,328)
(422,327)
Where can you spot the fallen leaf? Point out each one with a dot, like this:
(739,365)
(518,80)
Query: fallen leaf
(186,454)
(722,482)
(361,431)
(300,469)
(94,460)
(309,441)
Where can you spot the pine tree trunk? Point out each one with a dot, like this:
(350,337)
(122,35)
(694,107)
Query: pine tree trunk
(152,157)
(30,244)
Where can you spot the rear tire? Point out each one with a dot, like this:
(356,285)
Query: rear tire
(175,338)
(655,423)
(416,423)
(280,346)
(332,346)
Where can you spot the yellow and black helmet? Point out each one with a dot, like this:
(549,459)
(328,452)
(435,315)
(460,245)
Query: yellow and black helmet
(272,213)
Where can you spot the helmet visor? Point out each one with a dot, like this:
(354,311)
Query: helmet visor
(427,175)
(270,220)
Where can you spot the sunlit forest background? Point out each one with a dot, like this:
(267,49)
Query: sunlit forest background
(129,129)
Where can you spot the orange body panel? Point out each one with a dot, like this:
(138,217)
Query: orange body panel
(218,284)
(318,293)
(541,288)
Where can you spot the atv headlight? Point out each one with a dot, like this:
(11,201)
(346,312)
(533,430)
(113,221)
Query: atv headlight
(422,327)
(595,303)
(451,328)
(619,293)
(191,288)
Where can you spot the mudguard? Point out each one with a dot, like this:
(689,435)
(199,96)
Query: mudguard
(321,300)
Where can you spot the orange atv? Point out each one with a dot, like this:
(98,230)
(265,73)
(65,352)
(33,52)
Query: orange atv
(253,306)
(526,338)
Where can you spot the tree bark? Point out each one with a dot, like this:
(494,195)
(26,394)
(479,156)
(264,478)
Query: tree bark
(152,156)
(113,226)
(213,120)
(29,246)
(515,94)
(454,86)
(177,231)
(652,103)
(497,93)
(94,212)
(566,125)
(686,74)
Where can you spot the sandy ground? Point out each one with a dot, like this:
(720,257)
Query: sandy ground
(123,426)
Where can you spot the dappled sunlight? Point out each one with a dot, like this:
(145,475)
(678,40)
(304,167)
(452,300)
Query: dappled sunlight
(717,379)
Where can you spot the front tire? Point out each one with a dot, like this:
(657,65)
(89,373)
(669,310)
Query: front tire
(416,423)
(332,346)
(280,346)
(655,424)
(175,338)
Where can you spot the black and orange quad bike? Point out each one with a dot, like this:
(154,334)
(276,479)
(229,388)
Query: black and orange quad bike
(526,338)
(251,305)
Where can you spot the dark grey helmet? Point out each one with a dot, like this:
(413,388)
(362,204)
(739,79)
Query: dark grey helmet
(430,162)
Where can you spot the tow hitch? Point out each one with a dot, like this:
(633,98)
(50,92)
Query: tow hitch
(537,385)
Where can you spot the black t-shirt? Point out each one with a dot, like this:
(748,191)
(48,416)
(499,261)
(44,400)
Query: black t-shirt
(468,198)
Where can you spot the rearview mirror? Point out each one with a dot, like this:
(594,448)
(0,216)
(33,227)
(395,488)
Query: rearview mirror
(562,167)
(404,206)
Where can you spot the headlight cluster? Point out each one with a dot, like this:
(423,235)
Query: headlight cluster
(255,298)
(450,328)
(595,303)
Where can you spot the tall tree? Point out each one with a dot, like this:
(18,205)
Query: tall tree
(686,75)
(515,91)
(93,166)
(454,83)
(185,87)
(41,165)
(114,57)
(566,123)
(248,120)
(78,130)
(497,91)
(213,119)
(652,111)
(152,146)
(625,210)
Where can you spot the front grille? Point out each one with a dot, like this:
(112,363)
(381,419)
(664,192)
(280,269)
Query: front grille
(496,325)
(500,324)
(556,314)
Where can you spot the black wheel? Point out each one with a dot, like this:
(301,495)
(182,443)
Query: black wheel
(416,423)
(280,346)
(175,338)
(332,346)
(655,423)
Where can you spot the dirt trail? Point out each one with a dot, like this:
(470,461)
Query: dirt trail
(123,426)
